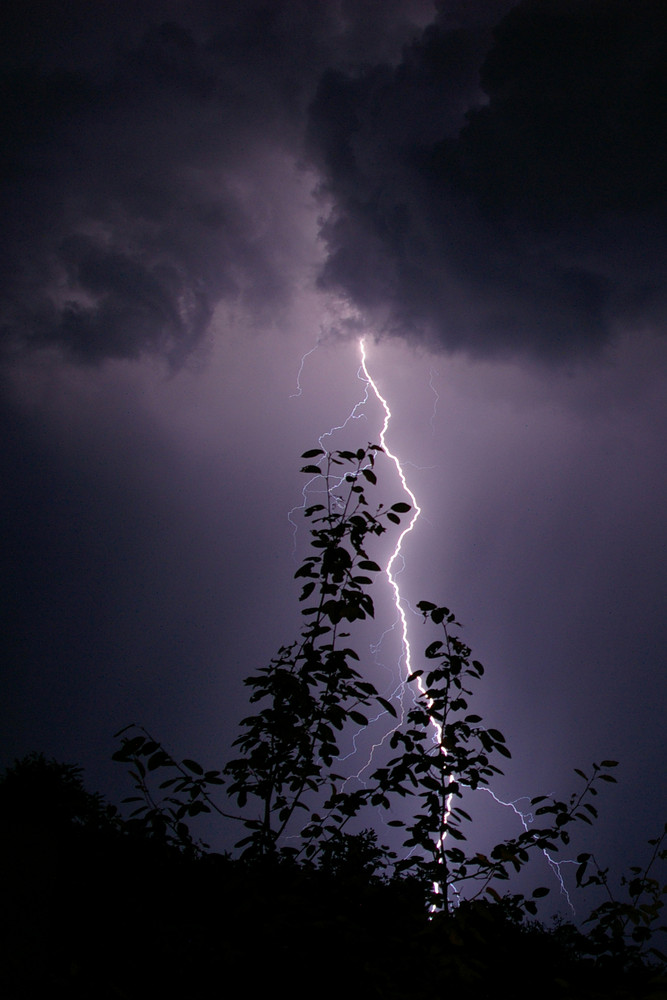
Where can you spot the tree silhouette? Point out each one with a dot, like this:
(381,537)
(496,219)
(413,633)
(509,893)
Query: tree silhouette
(99,904)
(285,785)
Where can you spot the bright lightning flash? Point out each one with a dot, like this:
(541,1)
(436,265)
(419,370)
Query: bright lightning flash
(416,510)
(391,577)
(392,574)
(400,609)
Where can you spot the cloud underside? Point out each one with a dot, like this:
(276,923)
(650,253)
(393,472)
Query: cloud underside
(529,217)
(494,182)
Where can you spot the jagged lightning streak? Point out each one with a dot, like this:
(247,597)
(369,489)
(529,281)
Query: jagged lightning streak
(354,414)
(416,511)
(400,608)
(391,574)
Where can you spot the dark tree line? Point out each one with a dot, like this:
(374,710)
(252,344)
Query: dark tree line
(106,904)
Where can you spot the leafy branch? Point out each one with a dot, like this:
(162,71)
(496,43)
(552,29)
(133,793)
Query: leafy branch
(446,751)
(187,787)
(310,691)
(294,805)
(625,927)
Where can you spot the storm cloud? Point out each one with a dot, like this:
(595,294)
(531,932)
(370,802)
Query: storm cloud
(141,164)
(507,200)
(491,176)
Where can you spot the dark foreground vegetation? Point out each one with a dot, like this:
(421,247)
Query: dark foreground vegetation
(308,902)
(95,907)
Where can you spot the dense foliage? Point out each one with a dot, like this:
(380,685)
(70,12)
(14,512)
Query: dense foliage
(110,906)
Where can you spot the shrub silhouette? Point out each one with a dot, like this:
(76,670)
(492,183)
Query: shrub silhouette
(98,904)
(285,788)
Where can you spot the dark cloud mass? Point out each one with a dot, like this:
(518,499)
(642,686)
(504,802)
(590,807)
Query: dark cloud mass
(529,214)
(494,174)
(133,139)
(121,233)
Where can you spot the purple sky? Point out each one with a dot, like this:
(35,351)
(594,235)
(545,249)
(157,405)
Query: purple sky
(196,194)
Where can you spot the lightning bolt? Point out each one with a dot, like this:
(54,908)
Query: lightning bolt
(391,573)
(395,563)
(396,554)
(525,818)
(416,511)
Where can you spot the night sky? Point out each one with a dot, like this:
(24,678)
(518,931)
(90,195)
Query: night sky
(197,194)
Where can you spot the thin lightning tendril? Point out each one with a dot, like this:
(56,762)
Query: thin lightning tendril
(434,373)
(526,818)
(299,390)
(354,414)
